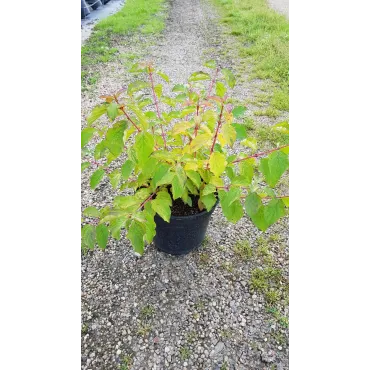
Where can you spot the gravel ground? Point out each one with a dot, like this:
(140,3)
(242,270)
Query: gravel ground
(281,6)
(190,312)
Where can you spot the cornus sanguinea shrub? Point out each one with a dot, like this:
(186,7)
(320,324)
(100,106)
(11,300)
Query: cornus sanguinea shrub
(176,146)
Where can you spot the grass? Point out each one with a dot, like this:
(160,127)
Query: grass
(184,353)
(147,312)
(244,250)
(144,330)
(263,37)
(136,16)
(126,362)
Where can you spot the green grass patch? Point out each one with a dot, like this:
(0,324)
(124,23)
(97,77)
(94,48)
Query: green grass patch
(136,16)
(264,39)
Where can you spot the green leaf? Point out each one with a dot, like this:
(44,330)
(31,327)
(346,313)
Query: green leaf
(145,102)
(208,200)
(160,172)
(100,150)
(86,135)
(91,212)
(228,134)
(161,207)
(274,210)
(239,111)
(112,110)
(124,202)
(164,196)
(246,170)
(285,201)
(230,173)
(208,189)
(263,216)
(229,77)
(114,138)
(102,235)
(241,131)
(217,163)
(201,141)
(88,236)
(166,179)
(163,75)
(135,234)
(115,178)
(115,227)
(220,89)
(179,88)
(126,169)
(158,90)
(96,177)
(274,166)
(136,86)
(97,112)
(282,127)
(180,98)
(84,165)
(199,76)
(210,64)
(194,177)
(250,142)
(178,182)
(230,204)
(144,145)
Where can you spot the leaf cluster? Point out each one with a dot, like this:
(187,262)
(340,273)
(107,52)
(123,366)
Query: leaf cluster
(176,145)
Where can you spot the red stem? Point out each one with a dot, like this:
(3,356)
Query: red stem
(157,107)
(128,117)
(212,82)
(216,133)
(147,200)
(259,154)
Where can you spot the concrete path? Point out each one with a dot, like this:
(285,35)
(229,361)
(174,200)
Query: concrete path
(281,6)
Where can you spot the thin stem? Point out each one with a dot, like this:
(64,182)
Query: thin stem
(157,107)
(147,200)
(212,82)
(128,117)
(216,133)
(259,154)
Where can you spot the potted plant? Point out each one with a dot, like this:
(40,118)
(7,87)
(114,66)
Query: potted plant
(172,152)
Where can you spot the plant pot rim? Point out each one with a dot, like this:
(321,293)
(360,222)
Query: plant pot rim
(197,215)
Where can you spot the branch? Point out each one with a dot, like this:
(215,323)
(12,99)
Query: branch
(147,200)
(216,133)
(157,107)
(128,117)
(259,154)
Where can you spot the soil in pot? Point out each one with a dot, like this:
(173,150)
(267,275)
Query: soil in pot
(186,229)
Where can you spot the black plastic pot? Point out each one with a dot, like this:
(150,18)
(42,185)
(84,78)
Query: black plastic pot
(183,233)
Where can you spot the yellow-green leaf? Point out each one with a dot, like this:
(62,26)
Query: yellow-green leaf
(217,163)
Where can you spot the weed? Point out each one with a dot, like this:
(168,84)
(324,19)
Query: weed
(269,112)
(244,250)
(272,296)
(126,362)
(275,238)
(228,266)
(204,258)
(224,366)
(226,334)
(191,337)
(84,329)
(147,312)
(184,353)
(144,330)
